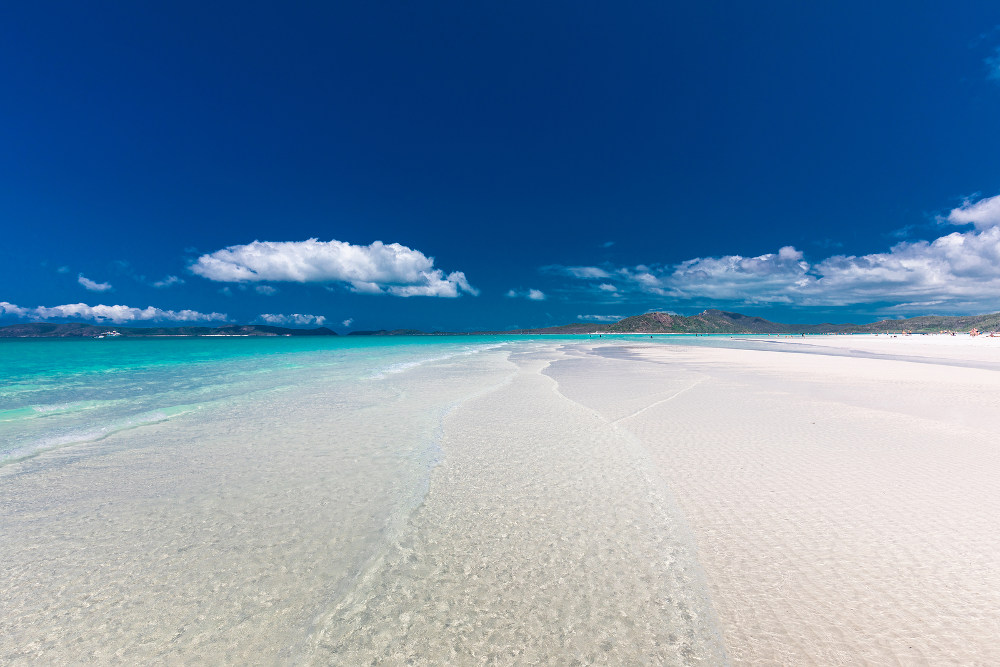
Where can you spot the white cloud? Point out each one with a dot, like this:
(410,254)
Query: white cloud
(168,281)
(294,318)
(643,278)
(531,294)
(374,269)
(762,279)
(599,318)
(585,272)
(62,269)
(959,271)
(117,314)
(983,214)
(348,322)
(266,290)
(7,308)
(608,290)
(91,285)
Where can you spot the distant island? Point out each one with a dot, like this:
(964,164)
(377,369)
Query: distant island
(76,330)
(708,322)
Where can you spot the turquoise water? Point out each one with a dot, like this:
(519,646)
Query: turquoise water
(57,393)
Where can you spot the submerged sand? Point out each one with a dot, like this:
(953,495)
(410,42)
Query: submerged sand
(546,538)
(828,500)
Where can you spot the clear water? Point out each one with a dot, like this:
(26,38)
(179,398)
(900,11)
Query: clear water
(56,393)
(329,501)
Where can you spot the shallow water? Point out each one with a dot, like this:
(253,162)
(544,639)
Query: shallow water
(329,501)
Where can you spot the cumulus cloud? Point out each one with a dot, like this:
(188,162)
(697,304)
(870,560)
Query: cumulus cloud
(379,268)
(92,285)
(294,318)
(118,314)
(531,294)
(7,308)
(266,290)
(348,322)
(962,269)
(957,271)
(984,213)
(168,281)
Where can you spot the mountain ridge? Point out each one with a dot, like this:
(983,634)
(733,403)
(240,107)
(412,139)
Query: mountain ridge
(713,321)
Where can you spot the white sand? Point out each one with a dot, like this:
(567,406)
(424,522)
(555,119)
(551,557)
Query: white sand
(846,511)
(602,503)
(960,348)
(545,539)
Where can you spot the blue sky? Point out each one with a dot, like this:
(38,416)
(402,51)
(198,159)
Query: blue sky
(458,166)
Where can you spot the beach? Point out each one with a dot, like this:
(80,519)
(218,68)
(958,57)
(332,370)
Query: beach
(845,509)
(826,500)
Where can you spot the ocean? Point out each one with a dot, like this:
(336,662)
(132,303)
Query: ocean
(330,501)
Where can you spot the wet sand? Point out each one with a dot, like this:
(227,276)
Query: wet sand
(546,538)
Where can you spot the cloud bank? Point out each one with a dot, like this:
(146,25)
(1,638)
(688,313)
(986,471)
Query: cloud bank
(957,271)
(294,318)
(117,314)
(378,268)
